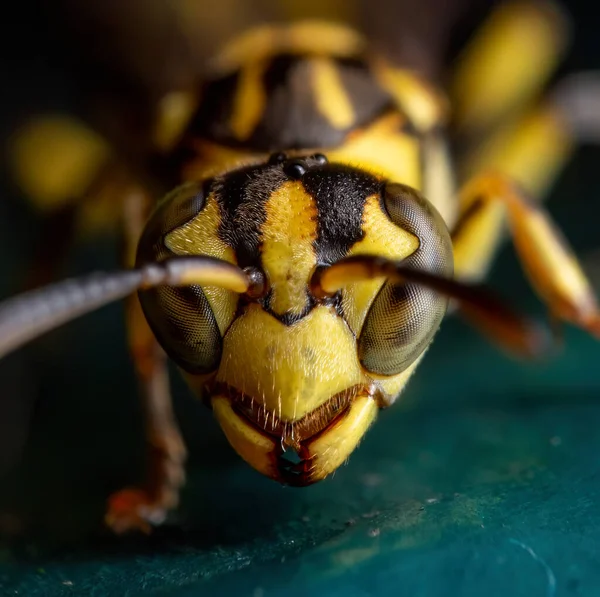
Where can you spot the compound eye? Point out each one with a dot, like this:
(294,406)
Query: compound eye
(174,210)
(181,318)
(404,317)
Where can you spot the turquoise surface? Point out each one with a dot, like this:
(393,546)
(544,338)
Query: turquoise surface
(483,480)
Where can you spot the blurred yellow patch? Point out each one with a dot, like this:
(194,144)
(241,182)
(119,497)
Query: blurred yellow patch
(54,160)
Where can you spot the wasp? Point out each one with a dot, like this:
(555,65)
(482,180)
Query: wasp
(316,238)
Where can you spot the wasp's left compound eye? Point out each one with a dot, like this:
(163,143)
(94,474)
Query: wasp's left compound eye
(180,317)
(404,317)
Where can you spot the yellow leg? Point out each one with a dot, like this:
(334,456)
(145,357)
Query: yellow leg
(531,150)
(507,64)
(139,508)
(501,114)
(551,266)
(514,146)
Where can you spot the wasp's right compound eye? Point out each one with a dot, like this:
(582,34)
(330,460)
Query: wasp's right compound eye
(404,317)
(181,318)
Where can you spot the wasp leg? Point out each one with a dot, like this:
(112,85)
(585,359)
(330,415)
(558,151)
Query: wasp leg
(507,64)
(515,128)
(139,508)
(490,200)
(134,509)
(530,150)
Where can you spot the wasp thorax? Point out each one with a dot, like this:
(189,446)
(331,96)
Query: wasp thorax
(284,367)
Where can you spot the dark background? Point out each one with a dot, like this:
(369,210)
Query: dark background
(485,480)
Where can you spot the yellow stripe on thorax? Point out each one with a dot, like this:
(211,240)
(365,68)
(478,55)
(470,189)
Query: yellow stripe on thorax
(250,100)
(425,106)
(305,37)
(288,256)
(383,149)
(331,96)
(200,237)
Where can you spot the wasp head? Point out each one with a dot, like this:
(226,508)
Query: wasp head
(295,372)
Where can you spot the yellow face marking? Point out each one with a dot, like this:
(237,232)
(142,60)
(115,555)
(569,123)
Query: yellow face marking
(332,448)
(384,150)
(288,257)
(200,237)
(290,370)
(254,447)
(381,237)
(331,97)
(249,101)
(306,37)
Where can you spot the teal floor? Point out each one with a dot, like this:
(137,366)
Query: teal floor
(483,481)
(459,492)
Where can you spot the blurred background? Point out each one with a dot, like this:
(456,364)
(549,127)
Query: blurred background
(484,478)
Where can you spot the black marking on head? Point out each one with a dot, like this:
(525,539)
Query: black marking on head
(288,319)
(340,193)
(242,196)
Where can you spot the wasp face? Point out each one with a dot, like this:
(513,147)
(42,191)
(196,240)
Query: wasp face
(287,370)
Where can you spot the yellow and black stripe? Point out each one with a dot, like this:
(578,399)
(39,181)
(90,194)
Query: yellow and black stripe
(290,102)
(286,217)
(280,367)
(288,91)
